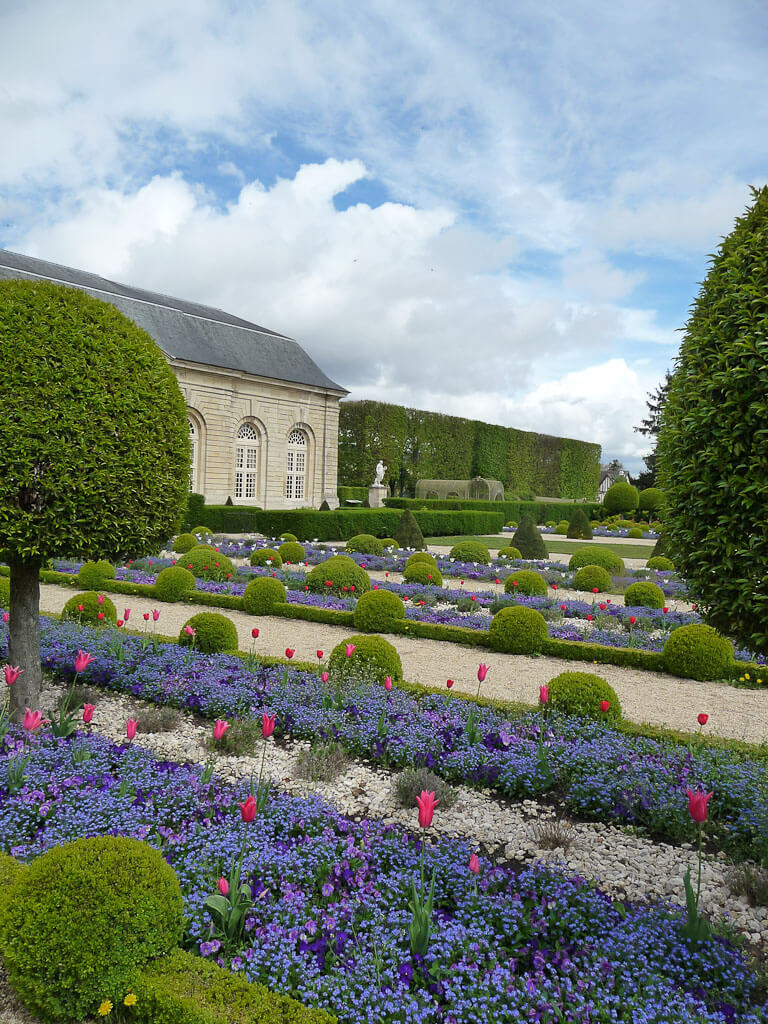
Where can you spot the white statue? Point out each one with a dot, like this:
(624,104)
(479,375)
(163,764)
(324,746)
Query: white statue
(381,469)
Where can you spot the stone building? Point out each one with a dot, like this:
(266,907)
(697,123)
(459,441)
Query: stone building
(263,417)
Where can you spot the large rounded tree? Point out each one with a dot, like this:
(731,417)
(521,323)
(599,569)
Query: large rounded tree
(713,443)
(94,446)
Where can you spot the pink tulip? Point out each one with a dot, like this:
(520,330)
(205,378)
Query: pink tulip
(482,672)
(100,599)
(11,674)
(697,805)
(155,614)
(6,617)
(130,728)
(267,725)
(33,720)
(126,614)
(189,630)
(427,803)
(248,809)
(349,650)
(388,683)
(474,864)
(88,710)
(324,677)
(82,661)
(543,695)
(223,886)
(220,728)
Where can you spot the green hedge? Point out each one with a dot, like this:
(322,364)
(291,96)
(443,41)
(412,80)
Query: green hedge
(352,493)
(341,524)
(226,518)
(540,511)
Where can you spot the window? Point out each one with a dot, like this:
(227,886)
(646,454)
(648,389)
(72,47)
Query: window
(247,450)
(193,454)
(297,464)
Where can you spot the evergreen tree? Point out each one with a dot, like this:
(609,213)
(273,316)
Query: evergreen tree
(649,427)
(408,533)
(528,540)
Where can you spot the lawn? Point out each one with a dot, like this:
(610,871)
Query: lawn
(553,544)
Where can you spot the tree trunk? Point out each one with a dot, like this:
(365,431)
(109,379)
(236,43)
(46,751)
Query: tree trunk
(24,636)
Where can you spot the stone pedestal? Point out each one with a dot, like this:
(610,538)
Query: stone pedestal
(376,495)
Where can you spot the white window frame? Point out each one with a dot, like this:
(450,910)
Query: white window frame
(296,466)
(247,464)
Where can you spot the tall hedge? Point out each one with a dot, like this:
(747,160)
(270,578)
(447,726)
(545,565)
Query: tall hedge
(713,443)
(415,444)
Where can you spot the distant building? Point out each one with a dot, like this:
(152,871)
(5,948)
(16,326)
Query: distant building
(609,475)
(263,417)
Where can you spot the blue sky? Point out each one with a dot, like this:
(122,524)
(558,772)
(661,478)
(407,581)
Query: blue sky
(501,211)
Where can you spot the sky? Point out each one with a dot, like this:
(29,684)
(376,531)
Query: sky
(501,211)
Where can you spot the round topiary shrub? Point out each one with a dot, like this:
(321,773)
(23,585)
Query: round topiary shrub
(387,543)
(339,575)
(512,524)
(620,497)
(262,595)
(550,524)
(644,594)
(470,551)
(93,575)
(286,537)
(364,544)
(266,556)
(518,630)
(509,552)
(214,633)
(635,533)
(651,499)
(292,551)
(698,652)
(527,582)
(372,660)
(562,527)
(85,608)
(202,532)
(421,556)
(581,693)
(595,555)
(174,581)
(378,610)
(591,576)
(660,563)
(424,573)
(207,563)
(127,905)
(184,543)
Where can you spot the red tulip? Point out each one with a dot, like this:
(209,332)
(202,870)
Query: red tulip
(595,590)
(543,695)
(697,805)
(289,652)
(632,620)
(497,581)
(349,650)
(81,607)
(352,588)
(88,710)
(12,674)
(100,599)
(100,615)
(427,803)
(590,618)
(255,633)
(514,583)
(146,616)
(605,705)
(328,583)
(33,720)
(267,725)
(82,661)
(126,614)
(603,606)
(665,610)
(388,683)
(223,886)
(248,809)
(120,623)
(130,728)
(319,655)
(472,598)
(155,614)
(449,683)
(219,728)
(702,719)
(482,672)
(6,617)
(474,864)
(554,586)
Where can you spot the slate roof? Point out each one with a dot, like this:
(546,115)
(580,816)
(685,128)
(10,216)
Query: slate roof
(186,330)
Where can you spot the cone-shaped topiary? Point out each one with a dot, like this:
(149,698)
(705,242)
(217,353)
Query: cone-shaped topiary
(213,634)
(528,540)
(378,610)
(518,630)
(661,547)
(698,652)
(579,527)
(372,660)
(408,533)
(88,610)
(582,693)
(620,497)
(174,581)
(262,595)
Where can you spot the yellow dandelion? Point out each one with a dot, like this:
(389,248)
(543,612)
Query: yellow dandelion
(741,679)
(130,999)
(105,1008)
(746,675)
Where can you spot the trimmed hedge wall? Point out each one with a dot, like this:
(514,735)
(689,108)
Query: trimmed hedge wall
(352,493)
(415,444)
(540,511)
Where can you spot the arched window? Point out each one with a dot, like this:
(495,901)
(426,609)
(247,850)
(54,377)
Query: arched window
(247,451)
(297,464)
(193,443)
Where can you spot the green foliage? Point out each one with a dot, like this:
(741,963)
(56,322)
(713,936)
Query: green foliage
(644,594)
(214,633)
(229,518)
(5,592)
(713,443)
(509,552)
(620,497)
(698,652)
(512,510)
(195,503)
(661,547)
(635,533)
(596,555)
(579,526)
(378,610)
(651,499)
(10,870)
(185,989)
(97,483)
(288,536)
(207,563)
(527,582)
(591,576)
(91,609)
(352,494)
(266,556)
(412,783)
(126,903)
(240,739)
(365,544)
(407,533)
(581,693)
(262,594)
(421,556)
(388,542)
(343,574)
(185,542)
(424,573)
(174,581)
(292,551)
(323,762)
(561,528)
(203,533)
(372,660)
(470,551)
(517,630)
(528,540)
(93,575)
(660,563)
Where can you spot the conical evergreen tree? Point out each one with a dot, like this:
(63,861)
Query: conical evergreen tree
(528,540)
(579,527)
(408,534)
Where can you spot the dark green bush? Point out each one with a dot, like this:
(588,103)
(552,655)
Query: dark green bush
(207,563)
(661,548)
(267,556)
(517,630)
(581,693)
(509,552)
(561,528)
(579,526)
(365,544)
(424,573)
(174,581)
(80,920)
(651,499)
(421,556)
(292,551)
(635,533)
(527,582)
(261,596)
(620,497)
(591,576)
(470,551)
(184,543)
(528,540)
(373,659)
(698,652)
(660,563)
(214,633)
(343,574)
(595,555)
(89,602)
(644,594)
(93,575)
(408,533)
